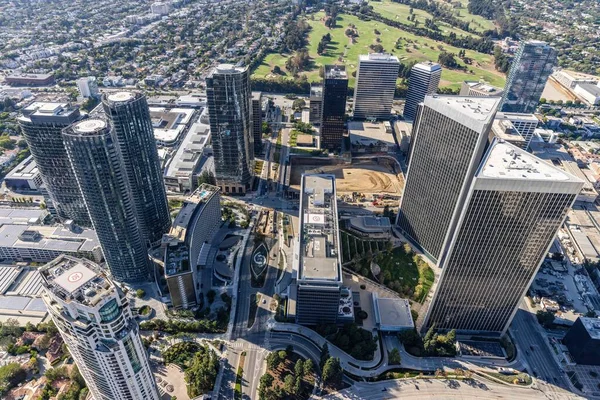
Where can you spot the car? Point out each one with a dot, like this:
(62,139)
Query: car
(264,301)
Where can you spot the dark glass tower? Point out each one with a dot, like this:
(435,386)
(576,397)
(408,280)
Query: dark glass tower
(41,124)
(132,131)
(335,90)
(95,158)
(528,75)
(229,109)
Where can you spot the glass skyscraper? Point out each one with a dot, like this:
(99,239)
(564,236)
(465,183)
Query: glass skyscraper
(229,102)
(133,132)
(335,90)
(528,75)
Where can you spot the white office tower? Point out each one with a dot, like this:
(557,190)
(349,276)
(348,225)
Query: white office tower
(448,140)
(88,87)
(523,124)
(375,86)
(515,205)
(94,319)
(424,80)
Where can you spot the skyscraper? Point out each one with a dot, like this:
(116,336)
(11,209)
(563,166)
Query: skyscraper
(423,80)
(257,122)
(97,325)
(514,207)
(335,90)
(132,131)
(375,85)
(448,140)
(316,104)
(41,124)
(229,110)
(96,162)
(528,75)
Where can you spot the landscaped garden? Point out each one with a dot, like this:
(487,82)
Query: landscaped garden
(352,339)
(288,376)
(199,363)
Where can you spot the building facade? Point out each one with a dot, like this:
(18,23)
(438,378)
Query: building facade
(257,122)
(95,158)
(316,104)
(96,323)
(447,142)
(515,206)
(424,80)
(583,341)
(41,124)
(132,131)
(523,124)
(529,72)
(88,87)
(195,224)
(335,90)
(229,110)
(375,86)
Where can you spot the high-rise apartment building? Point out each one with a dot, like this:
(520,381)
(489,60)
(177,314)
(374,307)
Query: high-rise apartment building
(528,75)
(195,224)
(93,317)
(424,80)
(41,124)
(257,122)
(132,131)
(96,161)
(515,205)
(335,90)
(375,86)
(449,137)
(229,109)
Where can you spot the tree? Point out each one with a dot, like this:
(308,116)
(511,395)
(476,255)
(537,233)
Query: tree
(273,360)
(288,383)
(299,368)
(298,104)
(22,144)
(10,376)
(140,293)
(324,355)
(298,386)
(207,177)
(276,70)
(394,357)
(7,143)
(266,381)
(202,372)
(332,371)
(308,367)
(545,318)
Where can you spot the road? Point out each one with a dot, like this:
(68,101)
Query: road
(434,389)
(537,354)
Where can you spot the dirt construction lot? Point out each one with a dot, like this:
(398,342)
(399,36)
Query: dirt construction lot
(363,178)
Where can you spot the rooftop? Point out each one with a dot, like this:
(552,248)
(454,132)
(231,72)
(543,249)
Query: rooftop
(484,87)
(383,57)
(335,72)
(227,69)
(517,116)
(25,170)
(592,325)
(392,313)
(190,151)
(428,66)
(505,130)
(366,133)
(319,256)
(200,196)
(76,279)
(472,111)
(592,89)
(506,161)
(168,124)
(119,97)
(45,237)
(316,91)
(370,223)
(21,216)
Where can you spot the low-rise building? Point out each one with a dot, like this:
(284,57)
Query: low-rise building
(480,88)
(583,341)
(23,79)
(549,304)
(589,93)
(570,79)
(392,314)
(403,131)
(24,177)
(371,137)
(370,227)
(170,124)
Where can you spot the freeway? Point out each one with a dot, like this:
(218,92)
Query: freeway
(535,351)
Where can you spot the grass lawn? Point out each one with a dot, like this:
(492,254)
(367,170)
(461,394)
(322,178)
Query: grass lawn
(401,12)
(340,50)
(476,22)
(525,378)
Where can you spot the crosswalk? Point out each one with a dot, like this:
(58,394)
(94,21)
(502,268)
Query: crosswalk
(245,345)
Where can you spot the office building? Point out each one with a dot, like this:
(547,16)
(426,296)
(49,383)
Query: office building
(315,104)
(95,158)
(88,87)
(25,176)
(371,137)
(335,90)
(479,88)
(196,223)
(516,125)
(132,131)
(424,80)
(257,122)
(528,75)
(43,243)
(41,124)
(583,341)
(96,323)
(375,86)
(448,140)
(317,259)
(229,110)
(515,205)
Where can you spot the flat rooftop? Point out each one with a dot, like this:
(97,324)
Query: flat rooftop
(169,124)
(379,57)
(517,117)
(190,151)
(319,258)
(392,314)
(505,130)
(22,216)
(592,89)
(26,169)
(190,206)
(44,237)
(428,66)
(366,133)
(510,162)
(475,112)
(335,72)
(76,279)
(484,87)
(592,325)
(371,224)
(316,91)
